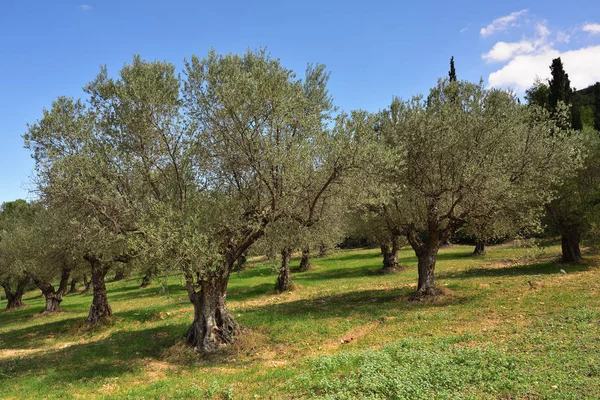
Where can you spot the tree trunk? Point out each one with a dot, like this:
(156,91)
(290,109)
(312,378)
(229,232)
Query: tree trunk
(322,250)
(73,287)
(15,299)
(213,326)
(571,252)
(284,281)
(479,248)
(119,275)
(54,297)
(100,309)
(87,284)
(426,267)
(426,252)
(305,261)
(146,279)
(390,255)
(240,264)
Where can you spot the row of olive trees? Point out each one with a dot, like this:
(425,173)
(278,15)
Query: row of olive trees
(189,173)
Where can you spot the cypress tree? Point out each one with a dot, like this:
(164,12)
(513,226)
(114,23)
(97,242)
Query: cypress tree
(576,121)
(597,106)
(560,86)
(452,72)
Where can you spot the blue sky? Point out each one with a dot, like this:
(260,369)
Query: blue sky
(375,49)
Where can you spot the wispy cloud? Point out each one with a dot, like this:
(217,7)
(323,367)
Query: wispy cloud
(504,51)
(502,23)
(591,28)
(85,7)
(466,28)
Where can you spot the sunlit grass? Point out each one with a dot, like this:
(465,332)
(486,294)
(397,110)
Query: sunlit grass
(510,323)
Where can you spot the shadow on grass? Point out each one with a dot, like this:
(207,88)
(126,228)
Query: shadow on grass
(371,304)
(537,268)
(89,362)
(35,335)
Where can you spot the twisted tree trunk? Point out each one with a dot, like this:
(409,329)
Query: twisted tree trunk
(53,297)
(100,309)
(426,252)
(305,261)
(87,284)
(73,287)
(284,280)
(479,248)
(119,275)
(213,325)
(390,255)
(15,298)
(570,243)
(322,250)
(146,279)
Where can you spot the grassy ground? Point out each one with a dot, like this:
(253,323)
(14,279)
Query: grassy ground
(511,325)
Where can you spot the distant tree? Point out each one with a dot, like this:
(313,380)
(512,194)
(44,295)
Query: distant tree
(487,149)
(597,106)
(576,208)
(452,72)
(53,255)
(15,219)
(538,94)
(559,85)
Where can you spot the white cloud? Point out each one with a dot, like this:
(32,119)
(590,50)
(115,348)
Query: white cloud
(466,28)
(85,7)
(502,23)
(563,37)
(503,51)
(520,72)
(542,29)
(591,28)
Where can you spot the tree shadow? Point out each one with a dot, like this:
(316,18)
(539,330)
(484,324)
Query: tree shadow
(367,303)
(247,293)
(91,361)
(536,268)
(36,335)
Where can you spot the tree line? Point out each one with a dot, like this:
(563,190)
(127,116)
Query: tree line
(155,170)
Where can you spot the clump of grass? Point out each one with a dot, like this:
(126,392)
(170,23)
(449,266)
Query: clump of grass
(247,345)
(412,370)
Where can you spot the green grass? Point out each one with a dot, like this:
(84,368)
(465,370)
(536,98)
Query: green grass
(510,326)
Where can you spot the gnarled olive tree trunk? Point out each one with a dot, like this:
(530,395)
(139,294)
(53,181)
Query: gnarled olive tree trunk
(390,255)
(146,279)
(213,325)
(15,296)
(305,261)
(570,243)
(426,252)
(87,284)
(53,297)
(284,280)
(323,250)
(100,309)
(479,248)
(73,287)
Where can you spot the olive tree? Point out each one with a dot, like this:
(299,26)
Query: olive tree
(15,219)
(52,249)
(263,132)
(450,158)
(79,172)
(576,208)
